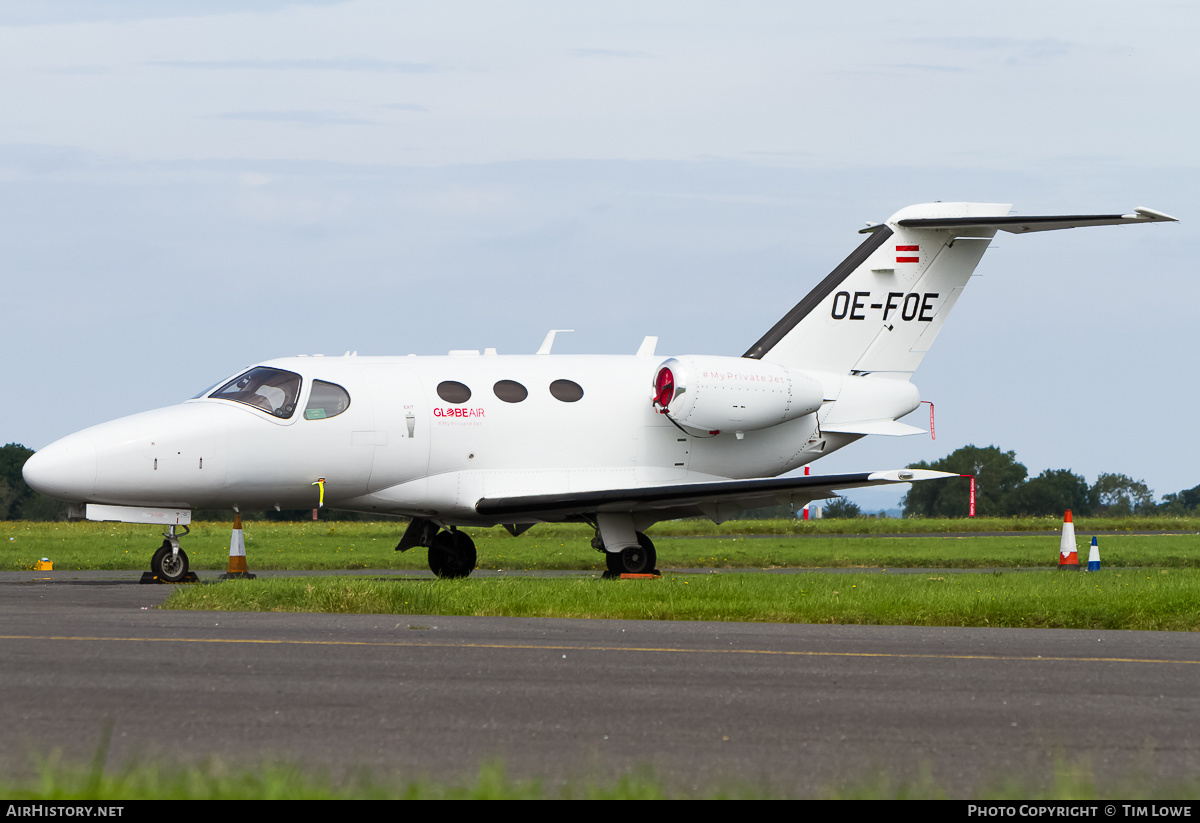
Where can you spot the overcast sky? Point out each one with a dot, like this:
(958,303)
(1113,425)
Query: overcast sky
(189,187)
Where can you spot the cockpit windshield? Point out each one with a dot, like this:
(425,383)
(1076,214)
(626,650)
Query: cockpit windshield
(272,390)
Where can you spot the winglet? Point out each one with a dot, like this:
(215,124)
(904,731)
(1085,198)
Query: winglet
(1152,215)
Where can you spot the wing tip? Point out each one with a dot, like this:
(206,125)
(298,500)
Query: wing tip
(908,475)
(1151,215)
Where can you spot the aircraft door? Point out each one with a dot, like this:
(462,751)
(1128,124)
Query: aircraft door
(401,425)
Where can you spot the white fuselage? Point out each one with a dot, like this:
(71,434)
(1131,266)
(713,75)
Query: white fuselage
(398,447)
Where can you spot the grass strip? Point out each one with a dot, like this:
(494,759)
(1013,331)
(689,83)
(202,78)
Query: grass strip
(215,779)
(1132,599)
(355,545)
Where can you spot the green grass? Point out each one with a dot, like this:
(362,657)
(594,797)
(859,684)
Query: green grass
(1115,599)
(680,544)
(219,780)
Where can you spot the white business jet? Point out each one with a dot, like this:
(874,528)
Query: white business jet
(618,442)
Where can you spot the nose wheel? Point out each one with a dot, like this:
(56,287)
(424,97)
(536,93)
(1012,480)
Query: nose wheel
(169,564)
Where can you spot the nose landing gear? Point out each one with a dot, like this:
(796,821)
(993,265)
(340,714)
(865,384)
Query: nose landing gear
(170,563)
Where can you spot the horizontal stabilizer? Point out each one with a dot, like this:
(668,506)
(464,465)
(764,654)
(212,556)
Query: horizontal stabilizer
(890,428)
(751,493)
(1020,225)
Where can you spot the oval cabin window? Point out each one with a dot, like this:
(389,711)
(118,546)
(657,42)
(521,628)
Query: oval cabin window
(567,391)
(510,391)
(453,392)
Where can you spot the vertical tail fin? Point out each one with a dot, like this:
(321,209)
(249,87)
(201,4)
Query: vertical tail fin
(880,310)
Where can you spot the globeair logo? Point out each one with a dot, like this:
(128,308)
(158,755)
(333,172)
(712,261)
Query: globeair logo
(456,411)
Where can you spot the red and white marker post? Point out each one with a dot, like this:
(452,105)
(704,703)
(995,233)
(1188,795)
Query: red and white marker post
(1068,558)
(970,495)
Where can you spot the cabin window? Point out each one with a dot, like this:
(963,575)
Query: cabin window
(567,391)
(453,392)
(272,390)
(326,400)
(510,391)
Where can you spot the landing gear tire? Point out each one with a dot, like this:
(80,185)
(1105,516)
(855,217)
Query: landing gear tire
(169,566)
(639,559)
(452,554)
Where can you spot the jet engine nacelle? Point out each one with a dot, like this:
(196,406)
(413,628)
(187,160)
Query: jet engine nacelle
(732,393)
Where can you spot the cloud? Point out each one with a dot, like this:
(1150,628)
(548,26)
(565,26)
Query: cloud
(1042,48)
(364,64)
(40,13)
(41,158)
(301,118)
(926,67)
(260,198)
(608,53)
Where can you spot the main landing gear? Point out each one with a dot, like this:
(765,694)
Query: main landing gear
(451,552)
(170,563)
(639,559)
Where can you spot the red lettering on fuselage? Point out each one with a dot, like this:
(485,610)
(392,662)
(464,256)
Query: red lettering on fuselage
(455,411)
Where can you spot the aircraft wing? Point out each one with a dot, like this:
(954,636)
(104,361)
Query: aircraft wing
(698,498)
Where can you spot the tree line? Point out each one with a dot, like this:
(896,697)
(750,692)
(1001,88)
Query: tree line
(1003,488)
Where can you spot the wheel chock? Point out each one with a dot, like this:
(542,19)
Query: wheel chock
(150,577)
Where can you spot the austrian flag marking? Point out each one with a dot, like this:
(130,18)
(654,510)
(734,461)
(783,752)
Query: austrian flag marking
(902,258)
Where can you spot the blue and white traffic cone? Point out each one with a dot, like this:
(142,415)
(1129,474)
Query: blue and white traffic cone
(1094,557)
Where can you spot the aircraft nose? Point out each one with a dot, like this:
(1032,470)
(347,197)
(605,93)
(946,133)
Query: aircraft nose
(65,469)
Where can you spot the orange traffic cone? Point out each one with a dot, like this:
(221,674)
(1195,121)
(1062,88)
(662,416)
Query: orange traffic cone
(237,553)
(1067,556)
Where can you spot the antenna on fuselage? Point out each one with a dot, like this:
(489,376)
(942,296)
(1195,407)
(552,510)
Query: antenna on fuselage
(548,343)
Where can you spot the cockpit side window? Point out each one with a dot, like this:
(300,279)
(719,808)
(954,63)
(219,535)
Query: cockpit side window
(272,390)
(326,400)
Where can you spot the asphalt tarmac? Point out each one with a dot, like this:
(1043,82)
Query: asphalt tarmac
(798,709)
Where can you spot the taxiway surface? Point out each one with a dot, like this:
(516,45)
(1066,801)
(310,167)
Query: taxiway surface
(798,708)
